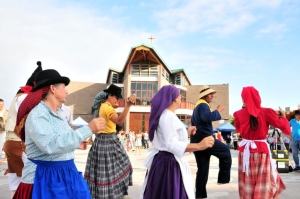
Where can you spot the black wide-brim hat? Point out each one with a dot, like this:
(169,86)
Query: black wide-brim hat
(114,90)
(49,77)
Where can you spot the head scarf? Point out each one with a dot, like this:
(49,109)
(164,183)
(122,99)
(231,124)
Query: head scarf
(252,100)
(98,100)
(31,100)
(162,100)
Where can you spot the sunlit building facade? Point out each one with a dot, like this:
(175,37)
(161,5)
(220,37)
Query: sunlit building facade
(143,73)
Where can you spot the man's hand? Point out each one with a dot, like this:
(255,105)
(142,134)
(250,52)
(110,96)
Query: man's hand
(220,108)
(207,142)
(97,124)
(83,145)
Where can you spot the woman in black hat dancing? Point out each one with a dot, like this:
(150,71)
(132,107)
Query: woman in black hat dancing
(108,170)
(50,171)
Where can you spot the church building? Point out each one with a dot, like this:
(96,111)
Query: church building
(143,73)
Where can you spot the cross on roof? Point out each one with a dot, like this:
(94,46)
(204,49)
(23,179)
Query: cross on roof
(151,38)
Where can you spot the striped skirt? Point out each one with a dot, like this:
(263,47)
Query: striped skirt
(260,183)
(108,169)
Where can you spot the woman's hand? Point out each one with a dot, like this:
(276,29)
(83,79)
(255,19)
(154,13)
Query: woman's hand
(97,124)
(191,130)
(83,145)
(282,113)
(207,142)
(131,100)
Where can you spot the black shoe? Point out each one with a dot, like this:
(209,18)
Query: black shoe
(297,168)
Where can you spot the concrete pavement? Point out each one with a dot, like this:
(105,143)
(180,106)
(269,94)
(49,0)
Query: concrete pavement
(227,191)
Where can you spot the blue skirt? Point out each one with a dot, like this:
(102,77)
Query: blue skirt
(58,179)
(164,179)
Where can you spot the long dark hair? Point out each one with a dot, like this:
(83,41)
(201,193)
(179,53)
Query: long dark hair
(253,123)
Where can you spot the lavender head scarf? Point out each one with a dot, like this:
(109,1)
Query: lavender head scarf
(162,100)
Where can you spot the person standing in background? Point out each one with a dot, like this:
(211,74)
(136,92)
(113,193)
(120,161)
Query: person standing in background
(127,137)
(146,139)
(66,113)
(132,140)
(220,137)
(235,142)
(143,141)
(138,142)
(14,147)
(295,124)
(286,141)
(271,141)
(228,141)
(3,115)
(121,137)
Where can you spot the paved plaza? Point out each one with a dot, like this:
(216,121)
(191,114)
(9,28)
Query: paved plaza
(227,191)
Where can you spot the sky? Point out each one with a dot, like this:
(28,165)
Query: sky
(236,42)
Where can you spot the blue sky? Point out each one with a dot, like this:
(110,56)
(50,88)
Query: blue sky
(238,42)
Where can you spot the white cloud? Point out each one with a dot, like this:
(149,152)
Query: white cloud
(202,63)
(218,17)
(266,3)
(275,30)
(80,43)
(119,9)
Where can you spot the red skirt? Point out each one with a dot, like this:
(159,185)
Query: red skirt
(260,182)
(24,191)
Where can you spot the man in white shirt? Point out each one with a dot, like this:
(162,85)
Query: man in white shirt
(66,113)
(14,146)
(3,115)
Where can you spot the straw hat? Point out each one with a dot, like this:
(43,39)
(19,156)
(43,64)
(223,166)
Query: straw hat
(205,90)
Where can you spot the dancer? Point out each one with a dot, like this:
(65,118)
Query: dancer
(108,170)
(50,171)
(202,118)
(258,177)
(168,174)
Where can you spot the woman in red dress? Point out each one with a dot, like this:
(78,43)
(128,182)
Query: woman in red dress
(258,177)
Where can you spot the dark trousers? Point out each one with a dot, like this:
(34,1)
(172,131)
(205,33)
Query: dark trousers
(287,146)
(272,146)
(222,152)
(235,145)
